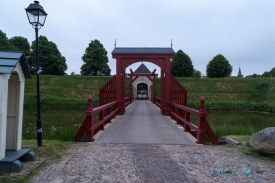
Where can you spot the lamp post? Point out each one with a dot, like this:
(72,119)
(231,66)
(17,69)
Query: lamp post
(37,17)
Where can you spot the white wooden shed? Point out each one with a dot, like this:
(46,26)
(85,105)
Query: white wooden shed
(13,71)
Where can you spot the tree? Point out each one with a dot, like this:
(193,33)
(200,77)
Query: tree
(271,73)
(51,62)
(218,67)
(196,74)
(254,76)
(21,44)
(181,65)
(266,74)
(95,60)
(5,43)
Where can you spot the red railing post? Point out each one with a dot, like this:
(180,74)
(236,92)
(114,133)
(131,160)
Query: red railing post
(202,126)
(89,121)
(202,100)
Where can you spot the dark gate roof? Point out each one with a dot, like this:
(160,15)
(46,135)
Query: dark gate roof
(9,59)
(144,50)
(142,69)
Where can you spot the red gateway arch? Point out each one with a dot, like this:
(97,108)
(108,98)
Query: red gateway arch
(159,56)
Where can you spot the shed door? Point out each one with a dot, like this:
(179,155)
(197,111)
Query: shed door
(12,117)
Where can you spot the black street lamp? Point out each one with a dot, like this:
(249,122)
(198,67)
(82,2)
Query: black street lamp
(37,17)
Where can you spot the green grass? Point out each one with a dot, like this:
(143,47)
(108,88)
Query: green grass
(64,90)
(52,149)
(222,93)
(229,93)
(61,124)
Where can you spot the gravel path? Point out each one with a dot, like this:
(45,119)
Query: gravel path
(91,162)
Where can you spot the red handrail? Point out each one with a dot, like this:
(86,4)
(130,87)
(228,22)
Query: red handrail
(181,114)
(107,113)
(158,102)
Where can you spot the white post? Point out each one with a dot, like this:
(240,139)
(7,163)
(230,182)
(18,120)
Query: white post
(3,112)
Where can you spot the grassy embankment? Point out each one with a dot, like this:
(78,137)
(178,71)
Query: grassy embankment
(237,94)
(222,94)
(64,90)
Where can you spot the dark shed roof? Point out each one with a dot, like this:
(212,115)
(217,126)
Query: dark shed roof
(126,50)
(9,59)
(142,69)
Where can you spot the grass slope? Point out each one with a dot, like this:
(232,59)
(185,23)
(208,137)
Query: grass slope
(223,93)
(64,90)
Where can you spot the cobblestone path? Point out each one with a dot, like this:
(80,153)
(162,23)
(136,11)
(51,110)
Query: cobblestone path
(154,165)
(91,162)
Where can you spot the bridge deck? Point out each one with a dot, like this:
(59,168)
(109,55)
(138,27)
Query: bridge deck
(143,123)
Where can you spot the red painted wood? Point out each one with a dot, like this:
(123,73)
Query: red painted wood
(162,98)
(80,132)
(167,86)
(142,74)
(123,60)
(108,112)
(181,114)
(123,91)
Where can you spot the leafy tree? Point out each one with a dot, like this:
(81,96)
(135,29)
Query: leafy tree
(196,74)
(266,74)
(5,43)
(95,60)
(181,65)
(51,62)
(218,67)
(21,44)
(271,73)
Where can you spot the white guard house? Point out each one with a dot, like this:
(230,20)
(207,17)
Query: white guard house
(13,71)
(142,80)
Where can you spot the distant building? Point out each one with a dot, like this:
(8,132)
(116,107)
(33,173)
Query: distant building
(240,73)
(142,94)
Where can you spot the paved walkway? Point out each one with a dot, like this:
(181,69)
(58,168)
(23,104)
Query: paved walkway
(90,162)
(143,123)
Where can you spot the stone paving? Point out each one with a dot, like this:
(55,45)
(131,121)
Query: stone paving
(91,162)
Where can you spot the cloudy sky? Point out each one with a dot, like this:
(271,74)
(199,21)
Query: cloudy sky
(241,30)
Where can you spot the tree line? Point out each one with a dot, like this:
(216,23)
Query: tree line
(95,60)
(51,61)
(266,74)
(218,67)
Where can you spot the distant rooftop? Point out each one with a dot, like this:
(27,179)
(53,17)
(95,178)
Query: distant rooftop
(145,50)
(9,59)
(142,69)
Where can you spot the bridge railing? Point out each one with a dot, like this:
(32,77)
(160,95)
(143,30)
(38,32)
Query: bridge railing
(107,92)
(157,101)
(181,114)
(178,92)
(90,125)
(127,101)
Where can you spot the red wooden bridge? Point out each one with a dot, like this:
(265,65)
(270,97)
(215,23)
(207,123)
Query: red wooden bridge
(172,101)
